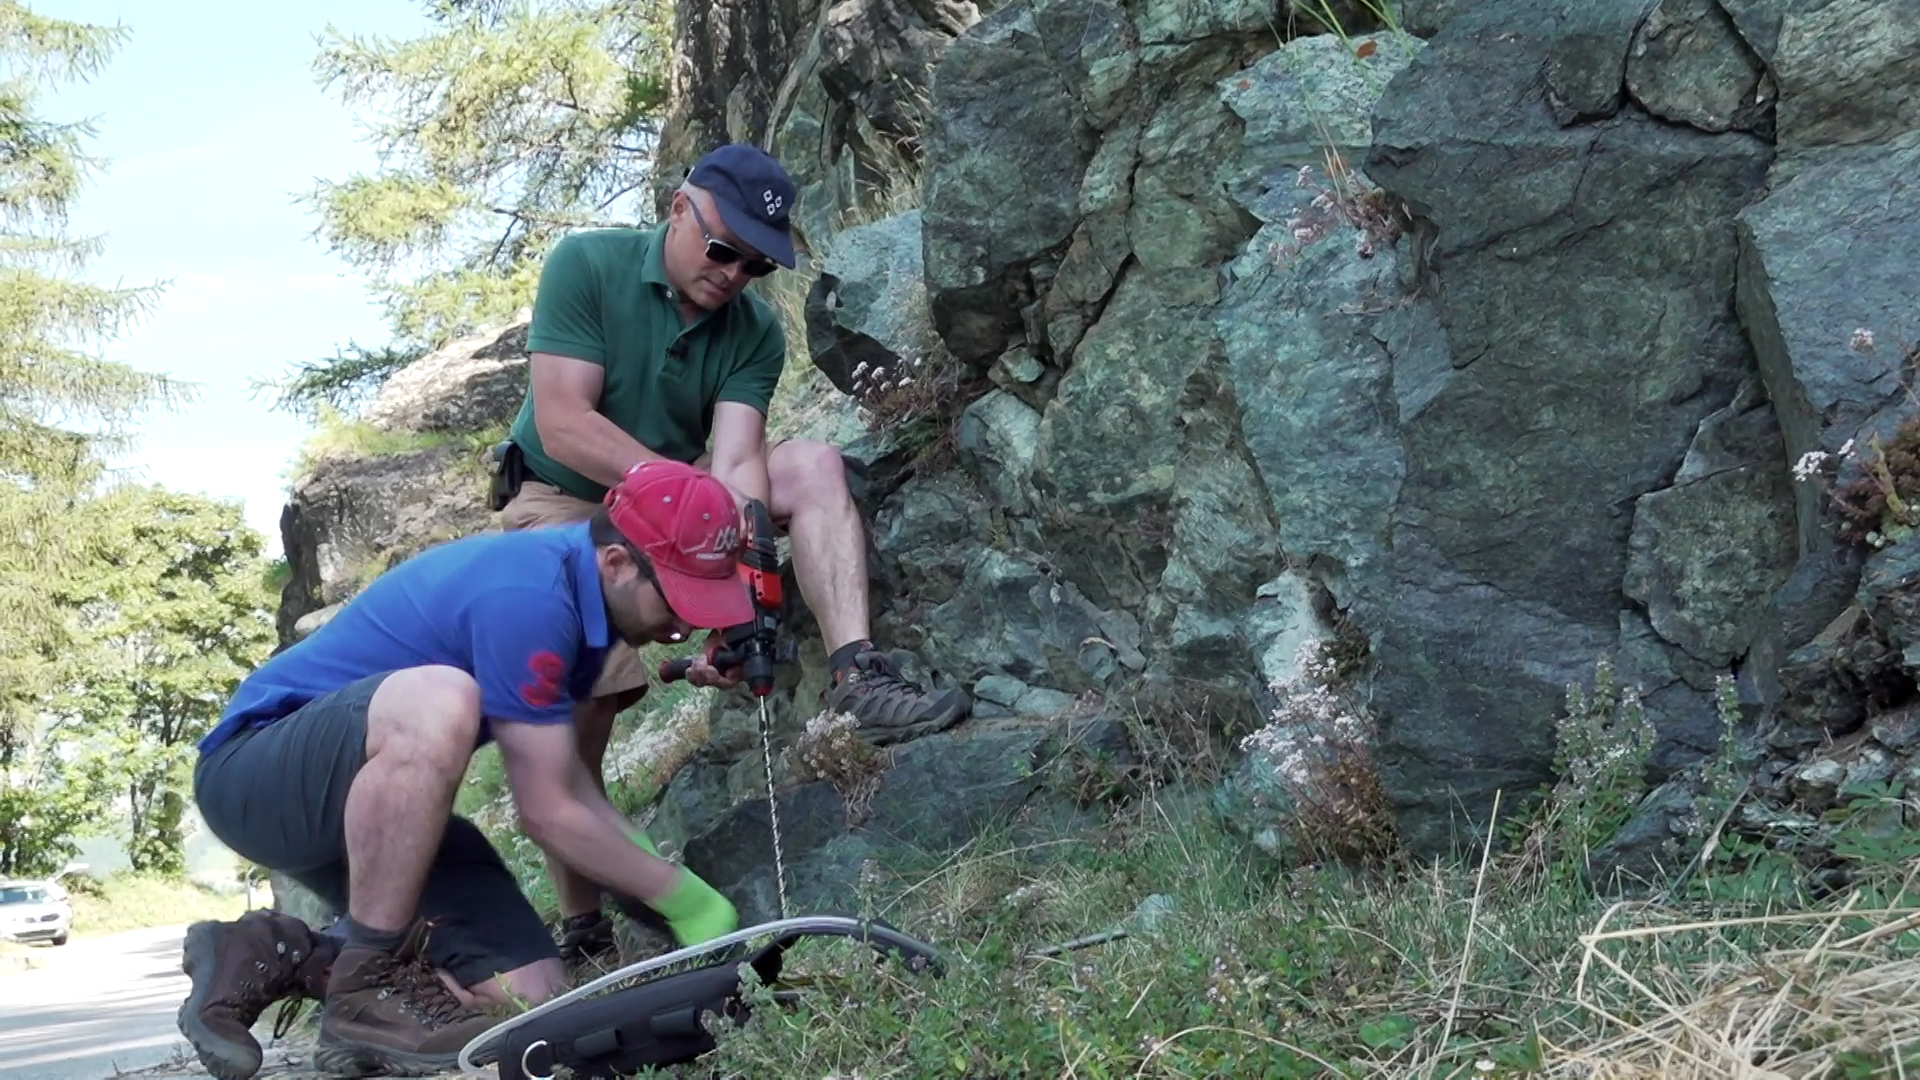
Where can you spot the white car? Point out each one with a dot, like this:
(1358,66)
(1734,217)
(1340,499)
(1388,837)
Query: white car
(34,911)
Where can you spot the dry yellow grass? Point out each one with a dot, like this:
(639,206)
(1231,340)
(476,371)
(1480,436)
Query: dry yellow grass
(1844,1005)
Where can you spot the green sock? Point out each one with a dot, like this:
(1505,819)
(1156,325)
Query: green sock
(640,837)
(696,911)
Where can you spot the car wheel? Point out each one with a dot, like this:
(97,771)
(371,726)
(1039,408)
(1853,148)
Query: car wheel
(61,940)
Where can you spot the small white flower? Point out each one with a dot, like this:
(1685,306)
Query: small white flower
(1809,464)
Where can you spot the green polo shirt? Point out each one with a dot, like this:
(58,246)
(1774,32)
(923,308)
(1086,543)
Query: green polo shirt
(604,298)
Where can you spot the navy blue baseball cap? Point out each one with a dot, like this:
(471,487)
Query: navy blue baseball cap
(754,195)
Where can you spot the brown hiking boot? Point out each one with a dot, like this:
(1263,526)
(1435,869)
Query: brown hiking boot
(889,708)
(238,969)
(389,1014)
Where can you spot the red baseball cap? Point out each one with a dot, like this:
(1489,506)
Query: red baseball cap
(688,524)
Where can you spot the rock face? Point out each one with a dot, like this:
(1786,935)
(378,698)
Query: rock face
(1450,339)
(1492,351)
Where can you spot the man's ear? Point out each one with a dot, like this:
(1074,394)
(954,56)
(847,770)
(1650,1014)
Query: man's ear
(616,566)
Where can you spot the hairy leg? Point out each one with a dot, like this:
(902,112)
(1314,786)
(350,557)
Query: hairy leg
(809,492)
(421,726)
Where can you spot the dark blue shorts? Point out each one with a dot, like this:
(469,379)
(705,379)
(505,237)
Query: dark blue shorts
(277,795)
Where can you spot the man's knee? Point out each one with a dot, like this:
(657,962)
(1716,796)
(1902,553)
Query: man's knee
(432,711)
(806,470)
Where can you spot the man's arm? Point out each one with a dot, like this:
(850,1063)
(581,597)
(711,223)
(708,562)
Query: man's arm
(566,817)
(740,450)
(740,417)
(566,398)
(567,350)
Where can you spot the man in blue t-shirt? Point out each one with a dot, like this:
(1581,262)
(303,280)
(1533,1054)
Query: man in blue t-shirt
(337,762)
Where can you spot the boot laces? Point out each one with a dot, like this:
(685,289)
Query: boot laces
(420,990)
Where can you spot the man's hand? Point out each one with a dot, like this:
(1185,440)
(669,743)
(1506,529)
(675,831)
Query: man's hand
(702,671)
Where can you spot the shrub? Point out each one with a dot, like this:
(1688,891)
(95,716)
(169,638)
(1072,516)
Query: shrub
(1316,747)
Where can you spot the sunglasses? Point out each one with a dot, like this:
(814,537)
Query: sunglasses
(725,254)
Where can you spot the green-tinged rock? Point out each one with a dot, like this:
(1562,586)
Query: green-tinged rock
(1587,301)
(935,794)
(1181,215)
(997,438)
(1707,553)
(1006,153)
(1109,442)
(868,324)
(1311,96)
(1587,56)
(1163,22)
(1009,618)
(1688,64)
(1849,73)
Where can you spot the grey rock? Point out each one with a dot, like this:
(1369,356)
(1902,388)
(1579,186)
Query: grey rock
(1759,21)
(1040,701)
(306,624)
(742,50)
(1019,365)
(868,324)
(1890,595)
(997,438)
(1311,96)
(852,99)
(936,793)
(1706,554)
(1817,783)
(350,519)
(1898,731)
(1813,270)
(1007,617)
(1426,17)
(1587,57)
(1508,516)
(1676,692)
(923,538)
(1153,914)
(1642,853)
(999,689)
(999,125)
(1688,64)
(1870,766)
(1847,73)
(469,385)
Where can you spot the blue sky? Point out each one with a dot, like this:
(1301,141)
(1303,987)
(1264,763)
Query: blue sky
(211,123)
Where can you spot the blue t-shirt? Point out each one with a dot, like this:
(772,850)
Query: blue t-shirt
(520,611)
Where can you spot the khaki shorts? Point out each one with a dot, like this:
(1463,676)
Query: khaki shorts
(540,503)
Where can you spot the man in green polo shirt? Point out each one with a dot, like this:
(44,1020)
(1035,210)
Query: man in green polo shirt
(645,345)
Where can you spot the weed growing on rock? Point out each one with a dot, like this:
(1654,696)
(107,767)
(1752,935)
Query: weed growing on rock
(1345,199)
(831,749)
(1317,746)
(1879,504)
(1602,742)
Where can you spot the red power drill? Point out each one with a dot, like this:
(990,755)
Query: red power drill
(750,644)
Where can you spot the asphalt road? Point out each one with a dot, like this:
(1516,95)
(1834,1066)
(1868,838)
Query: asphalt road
(97,1006)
